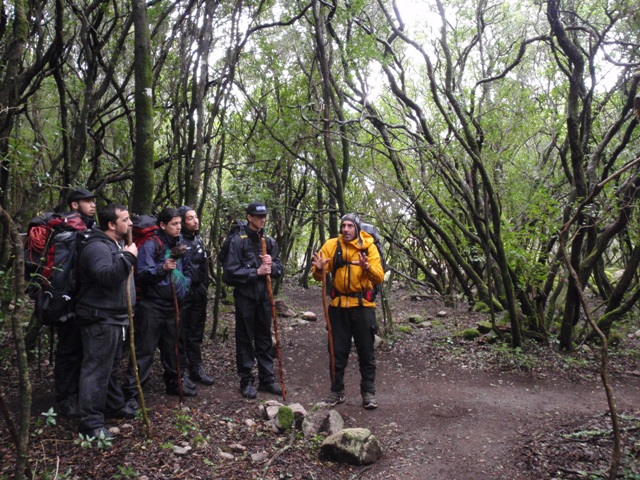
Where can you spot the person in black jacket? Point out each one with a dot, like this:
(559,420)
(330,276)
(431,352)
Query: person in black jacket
(247,269)
(159,277)
(68,354)
(104,268)
(193,311)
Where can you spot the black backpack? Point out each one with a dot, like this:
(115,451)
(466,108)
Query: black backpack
(237,228)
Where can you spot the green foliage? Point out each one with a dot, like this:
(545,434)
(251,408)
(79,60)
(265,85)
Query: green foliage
(513,358)
(125,472)
(101,442)
(53,474)
(46,419)
(185,424)
(405,329)
(481,307)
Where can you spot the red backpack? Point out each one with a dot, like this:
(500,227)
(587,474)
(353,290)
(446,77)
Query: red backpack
(57,277)
(145,228)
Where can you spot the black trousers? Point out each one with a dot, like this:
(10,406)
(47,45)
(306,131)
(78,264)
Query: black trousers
(100,392)
(253,340)
(358,323)
(68,358)
(154,327)
(193,316)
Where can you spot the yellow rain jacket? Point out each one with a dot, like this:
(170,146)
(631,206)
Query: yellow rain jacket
(351,278)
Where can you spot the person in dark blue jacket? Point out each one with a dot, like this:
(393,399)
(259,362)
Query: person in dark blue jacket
(193,311)
(159,277)
(104,278)
(247,269)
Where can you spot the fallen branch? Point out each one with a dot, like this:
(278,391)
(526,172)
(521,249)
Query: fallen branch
(281,451)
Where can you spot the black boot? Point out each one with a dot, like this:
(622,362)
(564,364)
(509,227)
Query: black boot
(248,390)
(270,388)
(199,375)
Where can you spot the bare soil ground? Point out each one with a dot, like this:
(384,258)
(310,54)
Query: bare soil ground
(448,409)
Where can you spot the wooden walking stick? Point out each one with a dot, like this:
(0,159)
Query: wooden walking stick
(275,322)
(176,253)
(132,347)
(325,305)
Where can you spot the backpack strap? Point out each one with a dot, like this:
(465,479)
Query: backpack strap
(338,261)
(155,238)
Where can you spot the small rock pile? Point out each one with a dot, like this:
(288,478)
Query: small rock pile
(355,446)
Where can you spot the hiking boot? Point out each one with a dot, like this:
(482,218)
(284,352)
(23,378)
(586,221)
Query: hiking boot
(270,388)
(369,401)
(248,390)
(187,382)
(132,404)
(68,407)
(186,392)
(334,398)
(125,412)
(200,376)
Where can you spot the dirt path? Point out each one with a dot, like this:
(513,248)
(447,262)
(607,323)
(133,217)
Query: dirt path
(441,420)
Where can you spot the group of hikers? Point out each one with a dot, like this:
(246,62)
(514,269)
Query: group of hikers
(163,280)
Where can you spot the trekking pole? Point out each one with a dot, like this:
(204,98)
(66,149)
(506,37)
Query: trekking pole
(176,309)
(132,346)
(275,322)
(332,358)
(177,253)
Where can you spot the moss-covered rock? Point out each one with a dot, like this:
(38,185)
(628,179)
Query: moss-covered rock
(415,318)
(355,446)
(405,329)
(614,338)
(284,418)
(484,327)
(470,334)
(481,307)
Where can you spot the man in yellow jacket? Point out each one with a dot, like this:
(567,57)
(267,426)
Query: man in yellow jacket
(355,263)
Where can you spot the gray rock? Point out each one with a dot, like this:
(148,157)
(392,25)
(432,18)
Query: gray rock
(418,298)
(283,310)
(181,450)
(299,414)
(270,409)
(298,322)
(334,423)
(259,457)
(355,446)
(423,325)
(309,316)
(322,419)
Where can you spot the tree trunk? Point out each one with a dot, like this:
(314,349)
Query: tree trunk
(143,181)
(22,441)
